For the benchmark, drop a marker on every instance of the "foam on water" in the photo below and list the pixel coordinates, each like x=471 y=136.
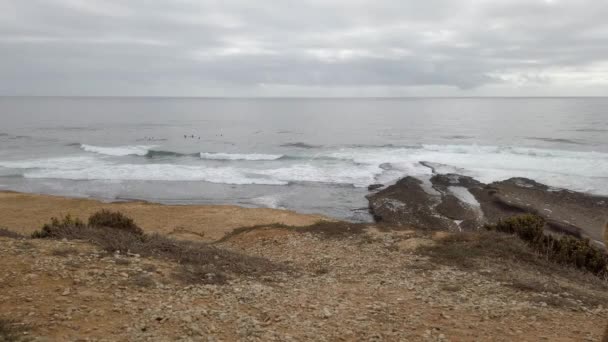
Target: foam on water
x=239 y=156
x=118 y=151
x=359 y=166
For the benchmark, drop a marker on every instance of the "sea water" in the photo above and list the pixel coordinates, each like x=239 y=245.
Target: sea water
x=309 y=155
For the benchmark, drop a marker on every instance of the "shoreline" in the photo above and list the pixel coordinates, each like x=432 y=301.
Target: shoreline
x=26 y=212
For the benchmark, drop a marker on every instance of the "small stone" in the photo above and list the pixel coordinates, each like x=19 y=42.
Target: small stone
x=326 y=313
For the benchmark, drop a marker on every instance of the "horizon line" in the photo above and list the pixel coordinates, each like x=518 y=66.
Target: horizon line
x=300 y=97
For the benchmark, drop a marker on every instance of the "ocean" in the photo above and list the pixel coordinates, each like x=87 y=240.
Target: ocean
x=308 y=155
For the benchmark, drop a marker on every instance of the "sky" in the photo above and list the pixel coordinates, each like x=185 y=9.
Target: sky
x=292 y=48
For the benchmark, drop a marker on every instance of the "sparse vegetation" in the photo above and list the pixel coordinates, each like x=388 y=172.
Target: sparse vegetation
x=10 y=234
x=200 y=274
x=333 y=229
x=127 y=239
x=114 y=219
x=58 y=227
x=565 y=250
x=465 y=249
x=330 y=229
x=11 y=331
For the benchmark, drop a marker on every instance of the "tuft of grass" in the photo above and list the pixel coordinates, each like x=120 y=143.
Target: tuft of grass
x=10 y=234
x=114 y=219
x=11 y=331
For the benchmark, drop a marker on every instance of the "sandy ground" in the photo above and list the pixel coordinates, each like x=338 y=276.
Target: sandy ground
x=25 y=213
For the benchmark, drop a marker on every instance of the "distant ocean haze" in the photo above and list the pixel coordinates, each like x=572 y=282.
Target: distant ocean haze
x=310 y=155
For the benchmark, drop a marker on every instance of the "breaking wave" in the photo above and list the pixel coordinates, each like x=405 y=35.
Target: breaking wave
x=239 y=156
x=118 y=151
x=358 y=166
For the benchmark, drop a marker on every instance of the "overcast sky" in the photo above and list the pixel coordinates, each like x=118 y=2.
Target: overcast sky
x=304 y=47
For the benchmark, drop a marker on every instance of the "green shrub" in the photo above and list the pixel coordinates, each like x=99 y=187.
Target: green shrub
x=565 y=250
x=527 y=227
x=57 y=228
x=114 y=219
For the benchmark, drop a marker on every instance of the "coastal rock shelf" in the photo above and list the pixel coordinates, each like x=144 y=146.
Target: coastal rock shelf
x=456 y=202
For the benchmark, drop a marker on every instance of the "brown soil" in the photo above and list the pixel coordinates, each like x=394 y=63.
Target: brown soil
x=25 y=213
x=374 y=284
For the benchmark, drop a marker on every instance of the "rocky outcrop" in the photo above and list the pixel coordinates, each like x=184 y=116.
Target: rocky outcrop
x=461 y=202
x=407 y=203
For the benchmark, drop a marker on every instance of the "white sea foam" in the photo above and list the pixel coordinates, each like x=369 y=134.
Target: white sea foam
x=239 y=156
x=464 y=195
x=270 y=201
x=360 y=176
x=581 y=171
x=119 y=151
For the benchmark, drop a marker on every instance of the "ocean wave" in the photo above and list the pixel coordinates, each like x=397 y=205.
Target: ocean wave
x=582 y=171
x=161 y=153
x=239 y=156
x=557 y=140
x=118 y=151
x=150 y=172
x=301 y=145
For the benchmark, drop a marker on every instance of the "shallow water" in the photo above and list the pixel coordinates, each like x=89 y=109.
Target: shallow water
x=311 y=155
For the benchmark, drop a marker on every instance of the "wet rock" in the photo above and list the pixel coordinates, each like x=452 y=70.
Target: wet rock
x=373 y=187
x=407 y=204
x=464 y=203
x=566 y=211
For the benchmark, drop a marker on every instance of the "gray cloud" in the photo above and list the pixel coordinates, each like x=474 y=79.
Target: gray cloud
x=389 y=47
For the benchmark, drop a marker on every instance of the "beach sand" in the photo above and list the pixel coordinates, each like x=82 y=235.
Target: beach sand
x=25 y=213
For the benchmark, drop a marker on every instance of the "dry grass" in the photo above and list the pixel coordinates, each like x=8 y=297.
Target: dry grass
x=516 y=265
x=114 y=219
x=11 y=331
x=10 y=234
x=331 y=229
x=200 y=274
x=326 y=229
x=142 y=280
x=194 y=254
x=64 y=251
x=464 y=250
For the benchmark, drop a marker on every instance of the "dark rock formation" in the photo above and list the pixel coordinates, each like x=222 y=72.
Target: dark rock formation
x=460 y=202
x=373 y=187
x=407 y=204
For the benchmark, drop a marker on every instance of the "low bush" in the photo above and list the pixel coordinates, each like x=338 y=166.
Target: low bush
x=565 y=250
x=59 y=228
x=126 y=239
x=527 y=227
x=114 y=219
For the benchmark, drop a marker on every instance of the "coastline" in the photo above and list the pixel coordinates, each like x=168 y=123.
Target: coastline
x=25 y=212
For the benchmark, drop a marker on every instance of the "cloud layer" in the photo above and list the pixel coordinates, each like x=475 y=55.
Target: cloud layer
x=303 y=47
